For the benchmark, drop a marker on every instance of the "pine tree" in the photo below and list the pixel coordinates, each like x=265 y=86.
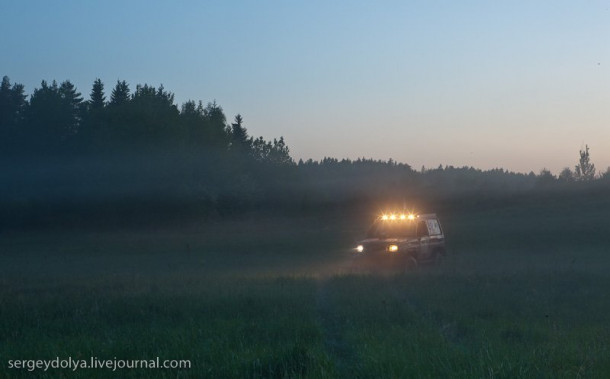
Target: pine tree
x=120 y=94
x=72 y=107
x=97 y=97
x=239 y=136
x=12 y=108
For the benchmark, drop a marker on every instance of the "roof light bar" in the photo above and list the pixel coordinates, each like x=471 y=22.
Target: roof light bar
x=401 y=216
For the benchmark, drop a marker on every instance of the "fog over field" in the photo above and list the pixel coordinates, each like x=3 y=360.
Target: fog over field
x=136 y=220
x=314 y=190
x=131 y=219
x=519 y=294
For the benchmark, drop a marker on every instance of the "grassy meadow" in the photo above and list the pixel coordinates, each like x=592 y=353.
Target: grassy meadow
x=522 y=293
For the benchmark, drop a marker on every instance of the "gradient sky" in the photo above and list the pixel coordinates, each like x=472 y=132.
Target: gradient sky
x=521 y=85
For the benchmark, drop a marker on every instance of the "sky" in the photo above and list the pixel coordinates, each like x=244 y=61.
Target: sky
x=519 y=85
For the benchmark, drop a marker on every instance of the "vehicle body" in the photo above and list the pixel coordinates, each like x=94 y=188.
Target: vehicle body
x=403 y=240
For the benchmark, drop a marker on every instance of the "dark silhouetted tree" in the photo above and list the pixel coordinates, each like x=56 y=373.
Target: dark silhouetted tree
x=97 y=98
x=240 y=141
x=280 y=153
x=275 y=153
x=204 y=126
x=566 y=175
x=216 y=122
x=46 y=128
x=120 y=94
x=584 y=170
x=153 y=118
x=214 y=113
x=91 y=134
x=12 y=108
x=72 y=107
x=53 y=117
x=545 y=177
x=261 y=149
x=191 y=118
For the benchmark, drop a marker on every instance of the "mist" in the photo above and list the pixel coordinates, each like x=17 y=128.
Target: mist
x=129 y=218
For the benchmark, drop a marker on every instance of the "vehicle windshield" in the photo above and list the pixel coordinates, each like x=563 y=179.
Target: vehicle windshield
x=392 y=229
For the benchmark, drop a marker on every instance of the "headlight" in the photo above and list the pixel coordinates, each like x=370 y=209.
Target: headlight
x=393 y=248
x=360 y=248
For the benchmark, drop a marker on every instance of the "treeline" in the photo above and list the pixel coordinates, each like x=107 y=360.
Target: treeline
x=56 y=121
x=135 y=155
x=131 y=151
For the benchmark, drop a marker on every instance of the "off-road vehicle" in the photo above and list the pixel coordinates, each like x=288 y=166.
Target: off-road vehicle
x=402 y=240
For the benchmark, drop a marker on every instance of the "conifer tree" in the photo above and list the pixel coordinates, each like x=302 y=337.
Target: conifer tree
x=97 y=97
x=120 y=94
x=12 y=108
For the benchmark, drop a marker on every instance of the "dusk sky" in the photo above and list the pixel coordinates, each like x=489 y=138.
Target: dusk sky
x=521 y=85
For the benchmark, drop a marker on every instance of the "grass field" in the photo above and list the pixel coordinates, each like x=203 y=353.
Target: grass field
x=523 y=293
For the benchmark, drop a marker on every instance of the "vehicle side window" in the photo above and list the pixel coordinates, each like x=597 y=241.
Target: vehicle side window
x=422 y=229
x=433 y=227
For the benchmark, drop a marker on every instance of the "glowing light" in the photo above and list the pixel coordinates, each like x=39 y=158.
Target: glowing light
x=360 y=248
x=393 y=248
x=397 y=216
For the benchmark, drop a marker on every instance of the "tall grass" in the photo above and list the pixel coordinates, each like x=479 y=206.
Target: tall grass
x=522 y=294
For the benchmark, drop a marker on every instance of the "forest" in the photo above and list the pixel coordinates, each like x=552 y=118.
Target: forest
x=134 y=154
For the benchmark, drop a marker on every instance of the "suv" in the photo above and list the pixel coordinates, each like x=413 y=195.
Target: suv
x=404 y=239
